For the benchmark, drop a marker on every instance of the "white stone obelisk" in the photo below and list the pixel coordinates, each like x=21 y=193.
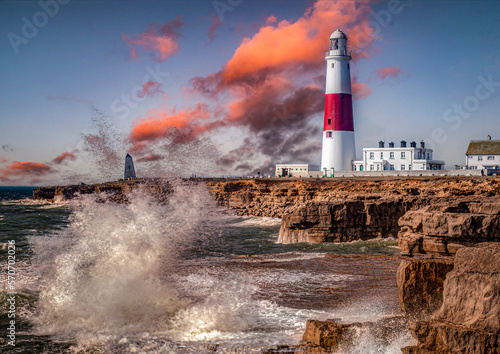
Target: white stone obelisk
x=129 y=167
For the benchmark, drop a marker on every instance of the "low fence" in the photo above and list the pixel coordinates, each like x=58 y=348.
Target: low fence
x=442 y=173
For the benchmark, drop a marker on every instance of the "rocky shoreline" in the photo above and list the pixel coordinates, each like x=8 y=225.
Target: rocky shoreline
x=449 y=283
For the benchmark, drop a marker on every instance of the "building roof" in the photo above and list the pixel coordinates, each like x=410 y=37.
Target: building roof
x=483 y=147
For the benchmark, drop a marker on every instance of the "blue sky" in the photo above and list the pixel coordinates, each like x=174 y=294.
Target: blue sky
x=63 y=85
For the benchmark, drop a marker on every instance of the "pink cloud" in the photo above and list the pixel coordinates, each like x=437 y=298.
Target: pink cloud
x=216 y=23
x=360 y=90
x=23 y=169
x=161 y=41
x=384 y=72
x=3 y=160
x=150 y=157
x=65 y=156
x=151 y=88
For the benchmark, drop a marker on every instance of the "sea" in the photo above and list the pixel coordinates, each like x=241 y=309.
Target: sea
x=186 y=276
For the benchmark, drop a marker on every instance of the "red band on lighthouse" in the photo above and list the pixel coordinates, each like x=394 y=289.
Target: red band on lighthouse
x=338 y=112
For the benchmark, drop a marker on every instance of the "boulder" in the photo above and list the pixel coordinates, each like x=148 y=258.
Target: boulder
x=332 y=336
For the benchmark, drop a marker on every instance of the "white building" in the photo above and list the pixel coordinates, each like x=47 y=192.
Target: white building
x=483 y=154
x=292 y=170
x=401 y=158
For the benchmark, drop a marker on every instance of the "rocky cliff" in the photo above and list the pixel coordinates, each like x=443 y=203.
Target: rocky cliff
x=279 y=197
x=363 y=218
x=468 y=320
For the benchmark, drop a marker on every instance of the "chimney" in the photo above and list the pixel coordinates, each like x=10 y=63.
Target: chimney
x=380 y=144
x=391 y=144
x=403 y=143
x=489 y=137
x=413 y=144
x=422 y=144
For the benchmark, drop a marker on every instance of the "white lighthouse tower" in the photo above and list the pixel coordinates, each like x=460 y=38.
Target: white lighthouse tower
x=338 y=130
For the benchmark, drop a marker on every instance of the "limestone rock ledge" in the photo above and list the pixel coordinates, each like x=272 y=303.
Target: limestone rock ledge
x=469 y=319
x=345 y=220
x=443 y=228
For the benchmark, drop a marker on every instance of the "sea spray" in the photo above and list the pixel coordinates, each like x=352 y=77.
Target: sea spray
x=109 y=272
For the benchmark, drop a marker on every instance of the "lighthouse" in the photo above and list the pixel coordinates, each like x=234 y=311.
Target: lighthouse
x=338 y=151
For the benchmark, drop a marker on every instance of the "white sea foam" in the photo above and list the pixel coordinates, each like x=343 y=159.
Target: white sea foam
x=259 y=221
x=104 y=273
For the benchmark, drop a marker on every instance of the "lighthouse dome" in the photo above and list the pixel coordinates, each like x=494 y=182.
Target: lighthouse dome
x=338 y=34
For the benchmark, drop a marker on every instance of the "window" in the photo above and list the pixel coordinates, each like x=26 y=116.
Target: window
x=403 y=155
x=391 y=155
x=341 y=95
x=428 y=156
x=491 y=157
x=329 y=121
x=348 y=66
x=328 y=134
x=402 y=167
x=332 y=65
x=372 y=168
x=381 y=155
x=480 y=158
x=372 y=155
x=392 y=167
x=409 y=167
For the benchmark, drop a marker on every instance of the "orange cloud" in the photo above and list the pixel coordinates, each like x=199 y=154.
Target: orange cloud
x=384 y=72
x=162 y=41
x=281 y=44
x=23 y=169
x=150 y=129
x=64 y=156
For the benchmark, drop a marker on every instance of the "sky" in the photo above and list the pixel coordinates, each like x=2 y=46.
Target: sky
x=232 y=87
